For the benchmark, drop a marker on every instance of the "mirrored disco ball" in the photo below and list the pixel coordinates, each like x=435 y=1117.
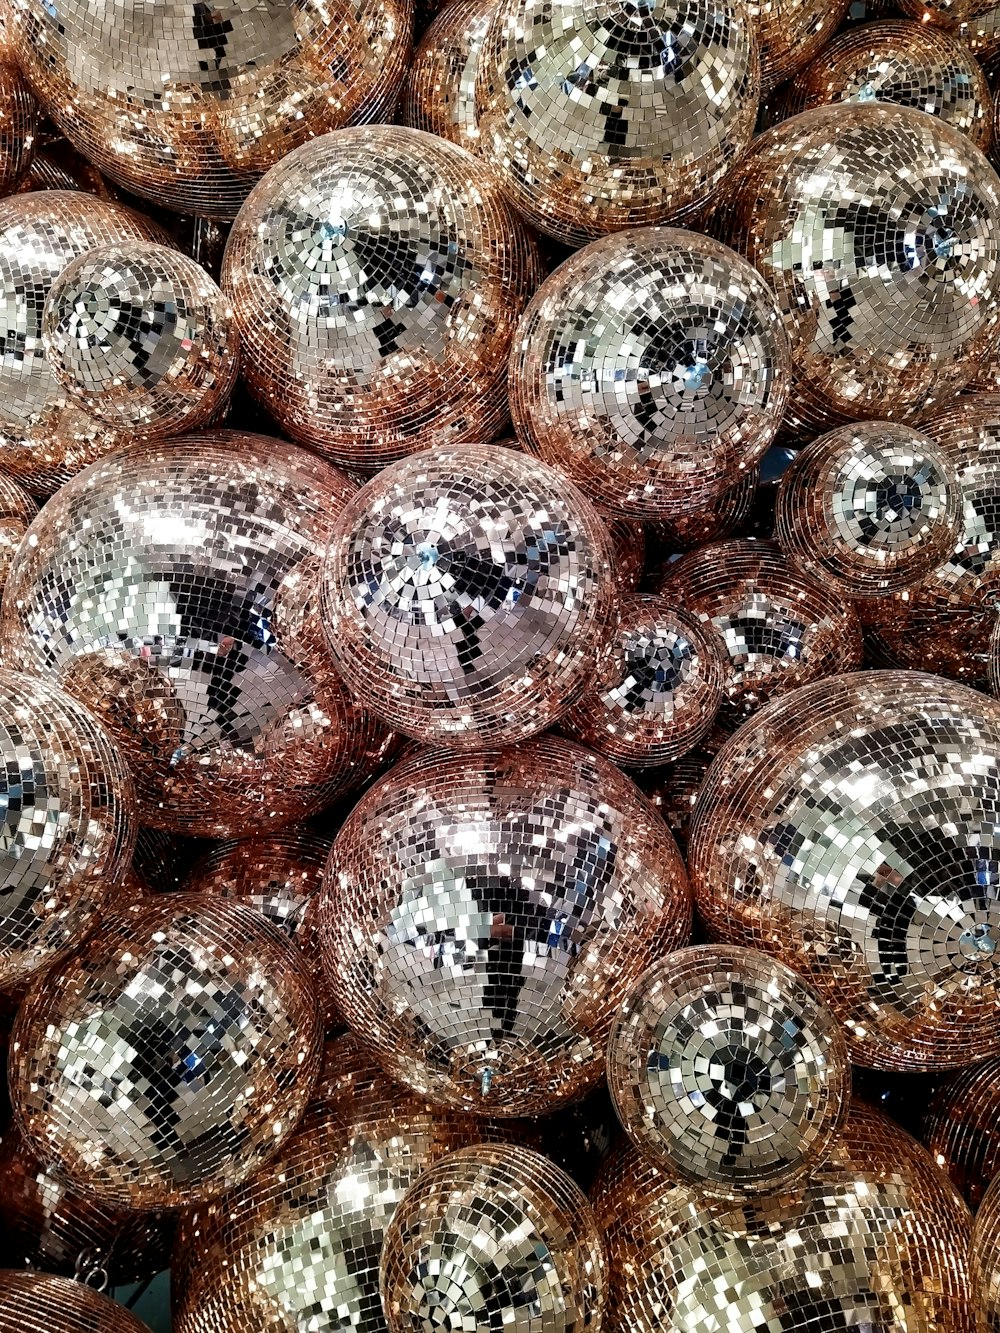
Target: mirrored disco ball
x=961 y=1128
x=598 y=115
x=948 y=14
x=790 y=32
x=484 y=915
x=628 y=541
x=727 y=1071
x=850 y=830
x=40 y=1303
x=878 y=228
x=493 y=1237
x=985 y=1262
x=653 y=368
x=187 y=106
x=171 y=588
x=714 y=521
x=377 y=276
x=166 y=1061
x=19 y=117
x=875 y=1238
x=439 y=95
x=468 y=595
x=17 y=509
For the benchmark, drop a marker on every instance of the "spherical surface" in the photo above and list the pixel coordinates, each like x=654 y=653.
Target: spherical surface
x=653 y=368
x=493 y=1237
x=790 y=32
x=629 y=115
x=171 y=588
x=484 y=915
x=727 y=1071
x=961 y=1128
x=985 y=1262
x=878 y=227
x=17 y=509
x=167 y=1060
x=468 y=595
x=845 y=830
x=440 y=91
x=187 y=107
x=18 y=127
x=711 y=522
x=40 y=1303
x=141 y=338
x=377 y=276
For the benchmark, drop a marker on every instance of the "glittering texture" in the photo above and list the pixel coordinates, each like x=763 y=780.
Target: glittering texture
x=790 y=32
x=493 y=1237
x=485 y=914
x=653 y=368
x=961 y=1128
x=187 y=105
x=468 y=595
x=172 y=589
x=727 y=1072
x=18 y=128
x=17 y=509
x=875 y=1239
x=628 y=540
x=673 y=791
x=377 y=276
x=599 y=115
x=851 y=830
x=985 y=1262
x=949 y=14
x=879 y=229
x=165 y=1061
x=713 y=521
x=440 y=91
x=39 y=1303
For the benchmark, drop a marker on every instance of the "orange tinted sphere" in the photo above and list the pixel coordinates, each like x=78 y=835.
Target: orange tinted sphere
x=40 y=1303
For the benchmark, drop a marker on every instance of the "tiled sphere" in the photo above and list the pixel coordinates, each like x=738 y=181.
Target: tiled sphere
x=440 y=91
x=848 y=830
x=484 y=915
x=779 y=628
x=597 y=115
x=673 y=790
x=653 y=368
x=40 y=1303
x=17 y=509
x=878 y=228
x=727 y=1071
x=711 y=522
x=961 y=1128
x=168 y=1059
x=947 y=14
x=628 y=541
x=985 y=1262
x=468 y=595
x=141 y=338
x=875 y=1238
x=790 y=32
x=188 y=106
x=19 y=118
x=172 y=589
x=493 y=1237
x=377 y=276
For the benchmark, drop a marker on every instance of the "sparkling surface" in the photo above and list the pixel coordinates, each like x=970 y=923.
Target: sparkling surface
x=39 y=1303
x=440 y=91
x=985 y=1262
x=961 y=1128
x=790 y=32
x=714 y=521
x=17 y=509
x=18 y=128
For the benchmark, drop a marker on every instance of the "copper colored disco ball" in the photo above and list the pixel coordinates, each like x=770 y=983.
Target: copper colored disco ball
x=869 y=509
x=673 y=790
x=628 y=541
x=727 y=1071
x=656 y=693
x=17 y=509
x=484 y=915
x=18 y=128
x=961 y=1128
x=652 y=367
x=41 y=1303
x=790 y=32
x=879 y=229
x=778 y=627
x=714 y=521
x=493 y=1237
x=171 y=588
x=165 y=1062
x=187 y=107
x=468 y=595
x=440 y=91
x=598 y=116
x=849 y=831
x=985 y=1262
x=140 y=337
x=948 y=14
x=875 y=1238
x=377 y=276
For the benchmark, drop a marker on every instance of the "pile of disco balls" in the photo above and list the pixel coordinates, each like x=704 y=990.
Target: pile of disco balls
x=499 y=665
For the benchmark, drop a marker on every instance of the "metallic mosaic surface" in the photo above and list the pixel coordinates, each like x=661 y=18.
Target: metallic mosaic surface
x=17 y=509
x=493 y=1237
x=961 y=1128
x=790 y=32
x=377 y=276
x=484 y=915
x=985 y=1262
x=598 y=115
x=850 y=831
x=727 y=1071
x=439 y=95
x=468 y=595
x=165 y=1062
x=19 y=116
x=714 y=521
x=40 y=1303
x=653 y=368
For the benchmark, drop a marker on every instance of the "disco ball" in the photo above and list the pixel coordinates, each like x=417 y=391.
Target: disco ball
x=377 y=276
x=985 y=1261
x=874 y=1238
x=171 y=588
x=869 y=508
x=778 y=627
x=40 y=1303
x=168 y=1060
x=850 y=830
x=711 y=522
x=948 y=14
x=878 y=228
x=440 y=91
x=628 y=541
x=727 y=1072
x=598 y=116
x=673 y=790
x=187 y=106
x=656 y=693
x=961 y=1128
x=790 y=32
x=652 y=367
x=484 y=915
x=468 y=595
x=141 y=338
x=18 y=128
x=493 y=1237
x=17 y=509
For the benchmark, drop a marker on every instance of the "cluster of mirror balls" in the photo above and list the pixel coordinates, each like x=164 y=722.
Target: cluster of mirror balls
x=500 y=666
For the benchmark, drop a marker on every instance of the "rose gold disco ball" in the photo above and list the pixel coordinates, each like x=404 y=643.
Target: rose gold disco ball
x=484 y=915
x=17 y=509
x=628 y=541
x=440 y=91
x=985 y=1262
x=790 y=32
x=961 y=1128
x=19 y=118
x=722 y=517
x=948 y=14
x=40 y=1303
